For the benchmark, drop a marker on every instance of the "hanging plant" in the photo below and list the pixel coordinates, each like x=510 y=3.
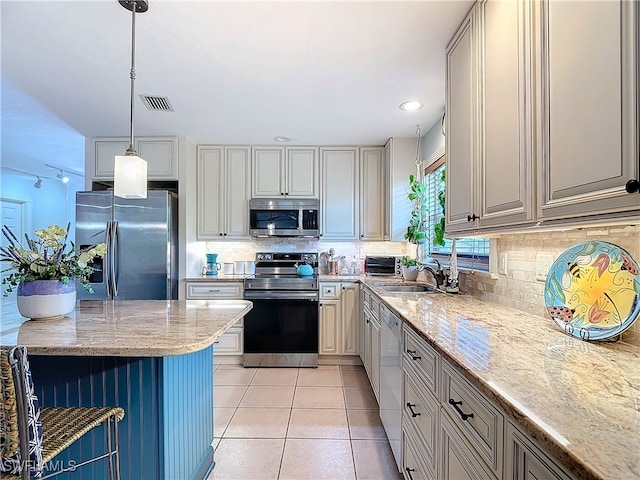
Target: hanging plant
x=417 y=227
x=438 y=228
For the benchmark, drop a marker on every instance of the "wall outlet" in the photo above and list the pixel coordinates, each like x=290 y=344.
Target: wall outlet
x=502 y=264
x=543 y=265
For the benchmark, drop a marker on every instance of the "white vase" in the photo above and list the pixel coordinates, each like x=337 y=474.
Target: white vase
x=410 y=273
x=46 y=298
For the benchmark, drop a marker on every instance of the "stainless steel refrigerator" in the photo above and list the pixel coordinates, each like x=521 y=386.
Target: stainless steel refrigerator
x=142 y=244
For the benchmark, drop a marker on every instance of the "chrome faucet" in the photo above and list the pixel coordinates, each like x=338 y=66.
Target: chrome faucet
x=438 y=274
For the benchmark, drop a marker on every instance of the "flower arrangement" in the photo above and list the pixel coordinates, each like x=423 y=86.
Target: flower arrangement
x=47 y=258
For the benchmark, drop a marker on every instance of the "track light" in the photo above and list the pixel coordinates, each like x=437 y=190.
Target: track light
x=38 y=183
x=62 y=177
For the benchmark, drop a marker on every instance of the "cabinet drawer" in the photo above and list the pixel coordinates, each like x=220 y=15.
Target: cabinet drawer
x=421 y=410
x=329 y=291
x=423 y=358
x=230 y=343
x=374 y=306
x=208 y=290
x=412 y=467
x=458 y=460
x=366 y=298
x=481 y=422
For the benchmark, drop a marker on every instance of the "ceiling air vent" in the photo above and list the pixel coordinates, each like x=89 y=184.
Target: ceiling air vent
x=157 y=104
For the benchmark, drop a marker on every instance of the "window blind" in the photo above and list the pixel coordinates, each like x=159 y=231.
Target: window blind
x=472 y=252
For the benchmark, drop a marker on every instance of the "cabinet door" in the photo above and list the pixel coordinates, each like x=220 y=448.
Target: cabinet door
x=589 y=143
x=339 y=193
x=329 y=323
x=105 y=151
x=161 y=155
x=350 y=325
x=462 y=125
x=268 y=172
x=302 y=172
x=366 y=341
x=506 y=173
x=210 y=191
x=526 y=461
x=372 y=194
x=236 y=207
x=375 y=357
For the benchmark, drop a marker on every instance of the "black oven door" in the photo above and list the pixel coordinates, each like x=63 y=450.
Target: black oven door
x=281 y=326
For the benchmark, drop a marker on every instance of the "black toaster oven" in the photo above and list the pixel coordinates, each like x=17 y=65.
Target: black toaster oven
x=381 y=265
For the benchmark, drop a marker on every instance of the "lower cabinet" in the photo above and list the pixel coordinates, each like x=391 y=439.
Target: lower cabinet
x=232 y=341
x=370 y=347
x=338 y=319
x=525 y=460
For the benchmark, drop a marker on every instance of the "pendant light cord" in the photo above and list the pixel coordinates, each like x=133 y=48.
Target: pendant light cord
x=131 y=150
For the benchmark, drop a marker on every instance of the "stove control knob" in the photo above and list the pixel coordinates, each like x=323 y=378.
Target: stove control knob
x=260 y=257
x=268 y=256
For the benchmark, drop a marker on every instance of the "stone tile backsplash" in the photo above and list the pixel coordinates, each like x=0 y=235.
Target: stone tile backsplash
x=519 y=287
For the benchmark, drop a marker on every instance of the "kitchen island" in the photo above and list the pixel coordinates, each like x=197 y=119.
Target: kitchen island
x=154 y=358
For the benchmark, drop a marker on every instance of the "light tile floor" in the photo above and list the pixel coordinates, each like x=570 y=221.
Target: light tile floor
x=297 y=424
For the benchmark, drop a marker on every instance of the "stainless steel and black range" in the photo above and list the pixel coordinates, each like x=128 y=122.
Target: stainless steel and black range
x=282 y=328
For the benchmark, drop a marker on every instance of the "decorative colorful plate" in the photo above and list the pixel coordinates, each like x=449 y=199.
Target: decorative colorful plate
x=593 y=290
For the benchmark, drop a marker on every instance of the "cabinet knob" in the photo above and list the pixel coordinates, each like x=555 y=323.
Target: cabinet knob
x=470 y=218
x=632 y=186
x=221 y=234
x=362 y=235
x=281 y=193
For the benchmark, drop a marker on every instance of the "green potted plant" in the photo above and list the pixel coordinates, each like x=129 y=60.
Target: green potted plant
x=438 y=227
x=410 y=269
x=416 y=229
x=44 y=270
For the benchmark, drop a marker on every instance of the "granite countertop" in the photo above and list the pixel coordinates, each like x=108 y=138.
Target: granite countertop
x=580 y=400
x=127 y=328
x=218 y=278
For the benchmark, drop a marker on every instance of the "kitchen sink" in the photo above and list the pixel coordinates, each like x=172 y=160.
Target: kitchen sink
x=394 y=287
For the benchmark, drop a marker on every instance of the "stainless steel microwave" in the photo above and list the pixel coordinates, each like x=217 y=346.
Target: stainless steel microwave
x=284 y=217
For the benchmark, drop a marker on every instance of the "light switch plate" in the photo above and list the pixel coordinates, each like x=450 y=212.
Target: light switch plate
x=543 y=265
x=502 y=264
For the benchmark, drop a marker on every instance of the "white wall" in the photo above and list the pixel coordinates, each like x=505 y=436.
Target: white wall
x=432 y=141
x=52 y=203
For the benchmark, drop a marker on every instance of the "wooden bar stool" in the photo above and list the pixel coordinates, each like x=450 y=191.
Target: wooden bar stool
x=30 y=436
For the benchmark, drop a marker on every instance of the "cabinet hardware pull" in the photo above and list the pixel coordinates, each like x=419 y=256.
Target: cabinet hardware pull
x=220 y=234
x=413 y=354
x=465 y=416
x=632 y=186
x=472 y=217
x=281 y=193
x=409 y=470
x=410 y=407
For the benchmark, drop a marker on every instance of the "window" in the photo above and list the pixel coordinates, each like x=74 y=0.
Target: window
x=472 y=252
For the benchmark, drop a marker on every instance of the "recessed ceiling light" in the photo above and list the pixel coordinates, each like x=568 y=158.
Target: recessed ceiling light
x=281 y=139
x=411 y=105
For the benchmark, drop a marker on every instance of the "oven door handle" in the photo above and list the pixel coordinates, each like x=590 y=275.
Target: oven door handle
x=280 y=295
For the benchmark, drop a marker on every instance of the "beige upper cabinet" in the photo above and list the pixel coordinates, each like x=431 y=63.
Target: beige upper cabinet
x=506 y=172
x=285 y=172
x=373 y=188
x=462 y=125
x=339 y=193
x=161 y=154
x=490 y=118
x=223 y=192
x=588 y=90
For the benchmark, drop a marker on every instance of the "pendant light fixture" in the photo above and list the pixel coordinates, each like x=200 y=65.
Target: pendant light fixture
x=130 y=171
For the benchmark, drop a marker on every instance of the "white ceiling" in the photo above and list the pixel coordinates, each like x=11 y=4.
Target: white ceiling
x=235 y=72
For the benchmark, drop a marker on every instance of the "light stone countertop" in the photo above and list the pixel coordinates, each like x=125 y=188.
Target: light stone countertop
x=579 y=400
x=218 y=278
x=127 y=328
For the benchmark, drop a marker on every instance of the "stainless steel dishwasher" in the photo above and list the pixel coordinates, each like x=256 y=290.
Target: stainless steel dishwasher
x=391 y=379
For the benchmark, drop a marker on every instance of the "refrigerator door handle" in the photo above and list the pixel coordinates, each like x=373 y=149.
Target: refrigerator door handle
x=107 y=269
x=115 y=263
